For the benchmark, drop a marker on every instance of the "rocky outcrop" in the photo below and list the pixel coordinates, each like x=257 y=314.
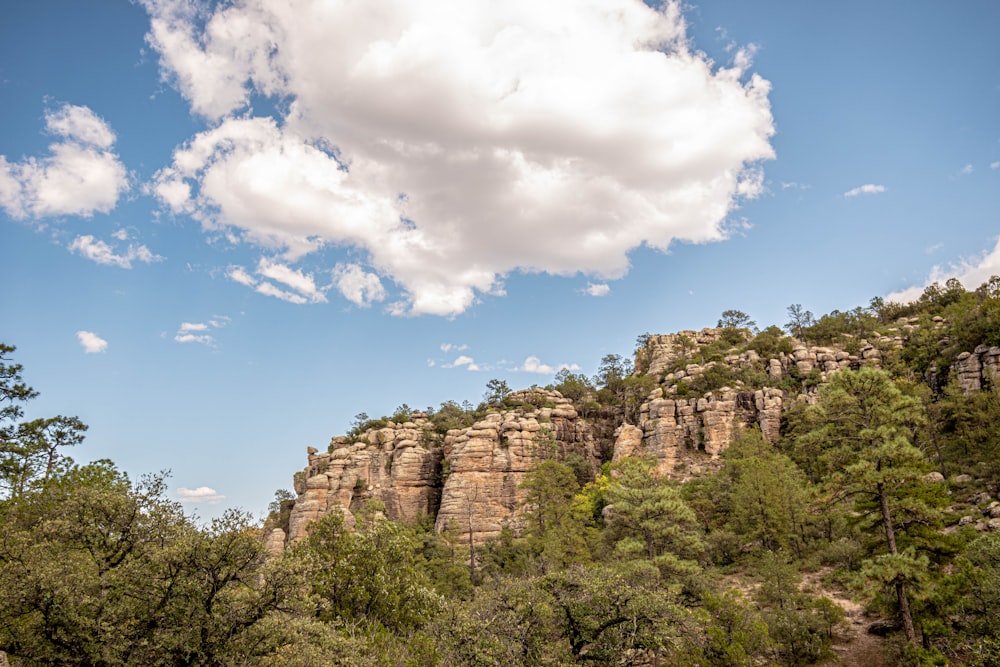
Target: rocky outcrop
x=470 y=478
x=398 y=465
x=676 y=357
x=675 y=430
x=978 y=369
x=487 y=462
x=664 y=350
x=275 y=541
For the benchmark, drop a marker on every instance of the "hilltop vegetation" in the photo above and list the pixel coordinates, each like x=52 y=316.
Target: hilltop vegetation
x=874 y=507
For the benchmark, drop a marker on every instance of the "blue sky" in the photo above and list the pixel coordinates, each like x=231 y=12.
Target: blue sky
x=227 y=229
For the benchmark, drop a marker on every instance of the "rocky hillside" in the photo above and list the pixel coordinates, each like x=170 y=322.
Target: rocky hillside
x=700 y=389
x=469 y=477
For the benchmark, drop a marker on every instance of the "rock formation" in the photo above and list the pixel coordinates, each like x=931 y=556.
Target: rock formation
x=482 y=467
x=397 y=465
x=470 y=478
x=978 y=369
x=487 y=462
x=676 y=429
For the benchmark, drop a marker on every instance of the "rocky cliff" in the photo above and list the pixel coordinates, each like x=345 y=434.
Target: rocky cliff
x=398 y=465
x=685 y=432
x=978 y=369
x=470 y=478
x=487 y=462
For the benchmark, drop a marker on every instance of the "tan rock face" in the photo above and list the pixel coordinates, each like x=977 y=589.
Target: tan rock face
x=674 y=428
x=487 y=463
x=471 y=478
x=275 y=541
x=977 y=369
x=483 y=466
x=397 y=465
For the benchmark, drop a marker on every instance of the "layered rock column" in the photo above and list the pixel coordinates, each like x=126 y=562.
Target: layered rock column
x=978 y=369
x=487 y=463
x=673 y=429
x=396 y=465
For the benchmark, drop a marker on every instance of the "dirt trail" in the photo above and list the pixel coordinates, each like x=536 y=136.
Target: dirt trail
x=852 y=645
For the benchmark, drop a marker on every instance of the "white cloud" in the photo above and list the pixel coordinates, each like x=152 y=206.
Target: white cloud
x=866 y=189
x=80 y=176
x=535 y=365
x=80 y=124
x=463 y=360
x=120 y=234
x=298 y=281
x=358 y=286
x=967 y=169
x=203 y=494
x=995 y=165
x=303 y=284
x=598 y=289
x=91 y=342
x=102 y=253
x=239 y=274
x=194 y=338
x=267 y=289
x=448 y=347
x=971 y=273
x=452 y=145
x=196 y=332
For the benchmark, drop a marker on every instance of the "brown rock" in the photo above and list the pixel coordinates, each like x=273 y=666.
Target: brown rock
x=275 y=542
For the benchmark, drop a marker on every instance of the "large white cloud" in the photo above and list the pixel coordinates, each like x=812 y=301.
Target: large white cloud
x=81 y=176
x=970 y=272
x=452 y=143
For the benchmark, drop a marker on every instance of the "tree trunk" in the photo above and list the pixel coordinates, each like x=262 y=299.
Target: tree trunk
x=890 y=536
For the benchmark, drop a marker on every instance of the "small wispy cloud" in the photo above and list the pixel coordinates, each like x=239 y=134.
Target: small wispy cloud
x=966 y=170
x=239 y=274
x=598 y=289
x=91 y=342
x=302 y=285
x=995 y=165
x=533 y=364
x=268 y=289
x=792 y=185
x=866 y=189
x=468 y=362
x=448 y=347
x=203 y=494
x=102 y=253
x=197 y=332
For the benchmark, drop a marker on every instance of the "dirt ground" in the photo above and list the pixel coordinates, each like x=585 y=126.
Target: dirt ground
x=852 y=645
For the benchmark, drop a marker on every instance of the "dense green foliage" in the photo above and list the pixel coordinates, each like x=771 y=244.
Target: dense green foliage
x=739 y=565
